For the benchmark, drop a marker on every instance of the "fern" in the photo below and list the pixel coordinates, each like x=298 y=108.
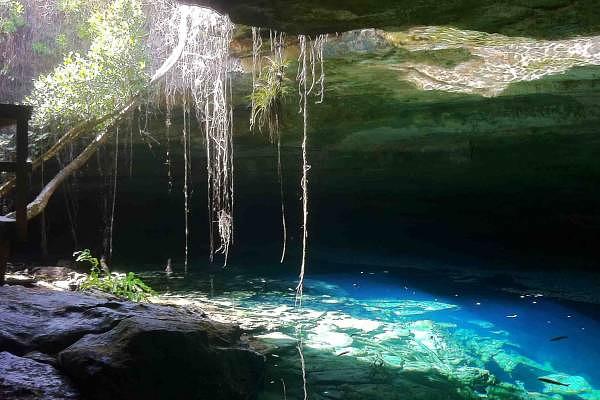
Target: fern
x=269 y=91
x=128 y=286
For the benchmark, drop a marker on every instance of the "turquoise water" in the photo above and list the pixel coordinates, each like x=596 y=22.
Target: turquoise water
x=401 y=334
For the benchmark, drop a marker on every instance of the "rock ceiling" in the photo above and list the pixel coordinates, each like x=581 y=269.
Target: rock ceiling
x=400 y=69
x=531 y=18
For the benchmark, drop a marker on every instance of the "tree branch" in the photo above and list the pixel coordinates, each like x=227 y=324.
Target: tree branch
x=41 y=201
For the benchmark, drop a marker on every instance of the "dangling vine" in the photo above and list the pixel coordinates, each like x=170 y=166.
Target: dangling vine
x=277 y=41
x=168 y=151
x=310 y=52
x=186 y=175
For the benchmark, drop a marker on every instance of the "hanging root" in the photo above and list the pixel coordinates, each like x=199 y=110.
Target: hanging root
x=199 y=76
x=310 y=52
x=277 y=46
x=303 y=366
x=168 y=152
x=186 y=174
x=224 y=225
x=282 y=202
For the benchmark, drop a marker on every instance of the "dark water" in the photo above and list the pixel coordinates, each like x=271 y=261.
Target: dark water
x=373 y=333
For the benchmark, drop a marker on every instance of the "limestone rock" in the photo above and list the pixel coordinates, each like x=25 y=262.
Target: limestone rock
x=278 y=338
x=47 y=321
x=27 y=379
x=41 y=357
x=112 y=349
x=542 y=18
x=146 y=358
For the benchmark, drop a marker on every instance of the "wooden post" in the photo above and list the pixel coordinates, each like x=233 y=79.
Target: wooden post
x=9 y=228
x=21 y=175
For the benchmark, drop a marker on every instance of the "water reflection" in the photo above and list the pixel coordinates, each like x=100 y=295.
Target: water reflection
x=469 y=61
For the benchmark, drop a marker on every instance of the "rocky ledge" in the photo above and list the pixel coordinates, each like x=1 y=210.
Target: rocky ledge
x=65 y=345
x=531 y=18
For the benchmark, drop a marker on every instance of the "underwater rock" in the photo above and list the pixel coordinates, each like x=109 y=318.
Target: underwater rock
x=423 y=333
x=473 y=376
x=27 y=379
x=481 y=323
x=277 y=338
x=507 y=391
x=508 y=361
x=354 y=375
x=392 y=334
x=406 y=308
x=485 y=347
x=365 y=325
x=393 y=361
x=325 y=337
x=577 y=385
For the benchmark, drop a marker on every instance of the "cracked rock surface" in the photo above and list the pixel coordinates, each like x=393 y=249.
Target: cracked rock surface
x=24 y=378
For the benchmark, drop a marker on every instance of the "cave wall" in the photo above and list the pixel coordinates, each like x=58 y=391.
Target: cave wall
x=400 y=173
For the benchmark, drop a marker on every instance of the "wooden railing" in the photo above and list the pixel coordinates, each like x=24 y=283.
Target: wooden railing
x=11 y=114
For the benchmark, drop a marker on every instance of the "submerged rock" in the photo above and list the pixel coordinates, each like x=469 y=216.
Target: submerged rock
x=575 y=385
x=113 y=349
x=324 y=336
x=509 y=361
x=365 y=325
x=278 y=338
x=27 y=379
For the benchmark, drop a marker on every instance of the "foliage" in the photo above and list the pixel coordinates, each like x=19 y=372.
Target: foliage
x=269 y=90
x=41 y=48
x=86 y=256
x=128 y=286
x=91 y=85
x=11 y=16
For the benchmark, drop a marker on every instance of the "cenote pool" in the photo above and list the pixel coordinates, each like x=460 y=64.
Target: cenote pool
x=431 y=165
x=373 y=333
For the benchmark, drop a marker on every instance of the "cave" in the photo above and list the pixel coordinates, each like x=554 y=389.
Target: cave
x=301 y=199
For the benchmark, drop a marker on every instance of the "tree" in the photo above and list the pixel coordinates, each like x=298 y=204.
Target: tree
x=87 y=95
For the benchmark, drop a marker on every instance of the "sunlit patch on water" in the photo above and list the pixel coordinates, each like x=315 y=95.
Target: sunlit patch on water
x=376 y=336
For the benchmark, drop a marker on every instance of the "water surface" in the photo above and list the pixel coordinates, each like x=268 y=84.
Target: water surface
x=374 y=333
